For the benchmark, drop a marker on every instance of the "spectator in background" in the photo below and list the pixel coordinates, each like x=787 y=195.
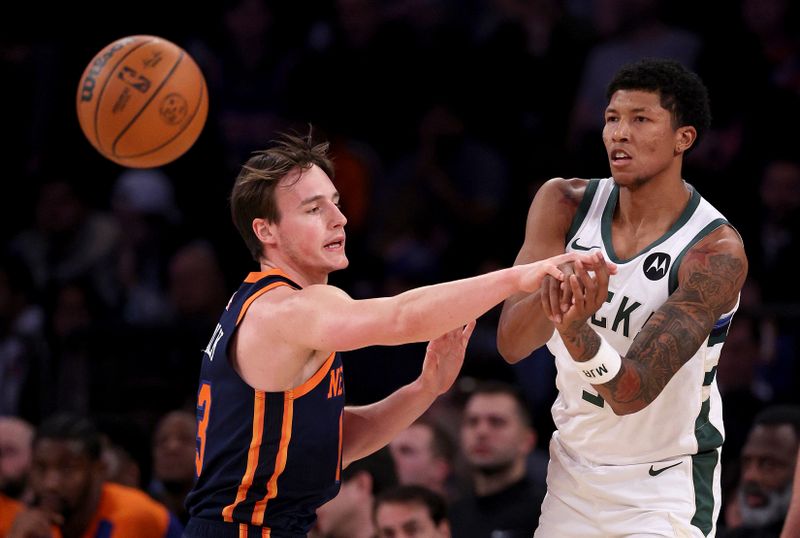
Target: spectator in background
x=16 y=435
x=72 y=495
x=768 y=463
x=411 y=512
x=23 y=357
x=496 y=438
x=174 y=445
x=349 y=514
x=69 y=240
x=424 y=455
x=144 y=207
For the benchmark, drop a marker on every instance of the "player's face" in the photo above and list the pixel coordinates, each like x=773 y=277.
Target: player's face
x=63 y=477
x=310 y=234
x=408 y=520
x=639 y=137
x=493 y=435
x=413 y=454
x=768 y=460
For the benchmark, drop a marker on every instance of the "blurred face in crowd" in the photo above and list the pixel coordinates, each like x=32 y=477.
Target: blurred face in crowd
x=413 y=453
x=64 y=478
x=768 y=460
x=408 y=520
x=493 y=434
x=15 y=455
x=174 y=448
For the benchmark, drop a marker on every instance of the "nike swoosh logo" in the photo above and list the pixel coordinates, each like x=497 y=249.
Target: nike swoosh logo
x=656 y=472
x=576 y=246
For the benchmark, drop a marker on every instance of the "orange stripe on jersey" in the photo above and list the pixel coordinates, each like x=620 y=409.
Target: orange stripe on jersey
x=252 y=455
x=242 y=530
x=339 y=459
x=265 y=532
x=255 y=296
x=258 y=275
x=314 y=380
x=280 y=462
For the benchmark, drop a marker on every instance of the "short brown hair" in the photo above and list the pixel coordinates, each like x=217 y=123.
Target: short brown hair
x=253 y=194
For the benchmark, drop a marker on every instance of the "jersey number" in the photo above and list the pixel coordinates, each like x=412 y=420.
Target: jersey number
x=203 y=413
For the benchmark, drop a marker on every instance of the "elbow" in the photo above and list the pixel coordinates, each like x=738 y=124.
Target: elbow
x=509 y=355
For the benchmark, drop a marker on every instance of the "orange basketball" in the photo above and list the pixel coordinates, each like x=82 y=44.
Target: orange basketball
x=142 y=101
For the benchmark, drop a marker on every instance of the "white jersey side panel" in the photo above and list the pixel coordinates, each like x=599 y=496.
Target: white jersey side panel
x=686 y=418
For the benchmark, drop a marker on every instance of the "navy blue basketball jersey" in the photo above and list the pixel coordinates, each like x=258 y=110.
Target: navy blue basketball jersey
x=265 y=460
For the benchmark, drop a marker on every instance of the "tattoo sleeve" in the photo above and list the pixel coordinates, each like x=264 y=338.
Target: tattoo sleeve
x=709 y=285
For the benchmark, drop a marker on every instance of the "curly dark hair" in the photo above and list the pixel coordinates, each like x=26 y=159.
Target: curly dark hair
x=682 y=92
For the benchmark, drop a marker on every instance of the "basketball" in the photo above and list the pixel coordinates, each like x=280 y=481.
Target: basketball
x=142 y=101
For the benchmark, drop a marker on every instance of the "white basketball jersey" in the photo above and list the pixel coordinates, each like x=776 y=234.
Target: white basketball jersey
x=686 y=418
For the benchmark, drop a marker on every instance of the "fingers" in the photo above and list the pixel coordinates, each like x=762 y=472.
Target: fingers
x=467 y=331
x=550 y=290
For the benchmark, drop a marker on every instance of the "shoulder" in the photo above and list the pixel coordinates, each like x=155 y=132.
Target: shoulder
x=565 y=190
x=286 y=300
x=715 y=269
x=9 y=508
x=126 y=502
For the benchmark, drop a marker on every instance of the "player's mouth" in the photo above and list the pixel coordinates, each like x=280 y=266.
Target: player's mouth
x=335 y=245
x=619 y=157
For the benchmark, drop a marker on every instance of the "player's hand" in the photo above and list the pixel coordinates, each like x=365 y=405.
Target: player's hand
x=444 y=358
x=556 y=294
x=34 y=523
x=534 y=273
x=589 y=292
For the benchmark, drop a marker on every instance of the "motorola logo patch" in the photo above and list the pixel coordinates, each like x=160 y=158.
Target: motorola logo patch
x=656 y=265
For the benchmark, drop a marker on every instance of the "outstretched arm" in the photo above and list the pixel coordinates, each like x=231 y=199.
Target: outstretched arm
x=523 y=325
x=710 y=278
x=325 y=318
x=368 y=428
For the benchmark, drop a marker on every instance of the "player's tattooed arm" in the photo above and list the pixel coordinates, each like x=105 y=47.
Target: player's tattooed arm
x=709 y=282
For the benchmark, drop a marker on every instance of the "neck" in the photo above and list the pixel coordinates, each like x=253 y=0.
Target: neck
x=488 y=483
x=358 y=526
x=303 y=278
x=650 y=204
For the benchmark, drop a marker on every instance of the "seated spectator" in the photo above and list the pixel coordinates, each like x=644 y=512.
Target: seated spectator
x=349 y=514
x=15 y=456
x=174 y=446
x=768 y=462
x=72 y=497
x=496 y=438
x=423 y=455
x=411 y=512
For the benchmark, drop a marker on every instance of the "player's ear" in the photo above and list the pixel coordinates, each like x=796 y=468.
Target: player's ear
x=264 y=230
x=684 y=138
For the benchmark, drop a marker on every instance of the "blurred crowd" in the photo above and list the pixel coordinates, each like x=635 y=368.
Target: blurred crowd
x=444 y=117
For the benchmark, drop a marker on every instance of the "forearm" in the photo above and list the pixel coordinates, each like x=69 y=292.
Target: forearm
x=368 y=428
x=623 y=392
x=523 y=328
x=427 y=312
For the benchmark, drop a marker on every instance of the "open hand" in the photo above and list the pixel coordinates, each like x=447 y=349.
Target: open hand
x=444 y=358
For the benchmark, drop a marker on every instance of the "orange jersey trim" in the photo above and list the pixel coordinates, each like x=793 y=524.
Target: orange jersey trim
x=255 y=296
x=259 y=409
x=280 y=461
x=258 y=275
x=312 y=381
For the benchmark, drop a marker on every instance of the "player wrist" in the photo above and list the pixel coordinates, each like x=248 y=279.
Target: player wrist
x=603 y=366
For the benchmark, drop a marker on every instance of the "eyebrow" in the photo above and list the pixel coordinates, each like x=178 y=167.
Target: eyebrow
x=312 y=199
